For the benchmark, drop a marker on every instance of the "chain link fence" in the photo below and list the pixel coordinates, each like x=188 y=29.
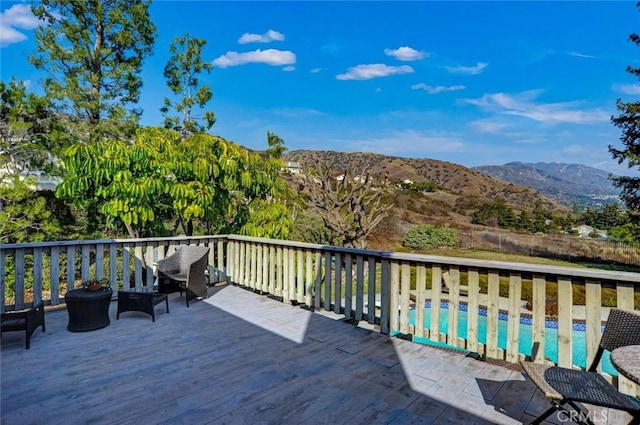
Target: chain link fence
x=553 y=246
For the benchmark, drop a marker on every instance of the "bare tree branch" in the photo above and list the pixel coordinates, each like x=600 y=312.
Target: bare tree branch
x=350 y=205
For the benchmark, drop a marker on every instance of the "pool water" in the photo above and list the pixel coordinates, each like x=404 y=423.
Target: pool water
x=524 y=343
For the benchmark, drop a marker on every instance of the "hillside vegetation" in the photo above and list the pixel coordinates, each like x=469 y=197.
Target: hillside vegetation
x=460 y=186
x=461 y=191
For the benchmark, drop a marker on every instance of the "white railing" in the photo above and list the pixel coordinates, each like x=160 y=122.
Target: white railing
x=395 y=291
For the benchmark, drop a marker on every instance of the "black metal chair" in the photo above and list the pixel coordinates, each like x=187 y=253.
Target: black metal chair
x=567 y=387
x=140 y=301
x=26 y=320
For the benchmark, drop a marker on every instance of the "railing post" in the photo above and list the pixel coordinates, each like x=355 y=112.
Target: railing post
x=371 y=292
x=539 y=317
x=565 y=322
x=513 y=331
x=593 y=317
x=385 y=301
x=394 y=296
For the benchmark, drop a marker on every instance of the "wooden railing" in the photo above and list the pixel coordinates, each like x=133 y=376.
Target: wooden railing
x=32 y=272
x=397 y=292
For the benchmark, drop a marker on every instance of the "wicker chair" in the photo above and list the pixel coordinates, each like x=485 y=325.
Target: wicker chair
x=26 y=320
x=187 y=268
x=569 y=387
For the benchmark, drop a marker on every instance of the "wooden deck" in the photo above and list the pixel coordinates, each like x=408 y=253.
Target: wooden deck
x=240 y=358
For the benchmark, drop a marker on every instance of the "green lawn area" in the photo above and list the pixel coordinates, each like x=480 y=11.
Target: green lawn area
x=502 y=256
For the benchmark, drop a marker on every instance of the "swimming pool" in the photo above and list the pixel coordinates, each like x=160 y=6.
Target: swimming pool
x=524 y=343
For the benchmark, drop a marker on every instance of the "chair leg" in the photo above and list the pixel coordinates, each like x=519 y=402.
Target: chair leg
x=555 y=406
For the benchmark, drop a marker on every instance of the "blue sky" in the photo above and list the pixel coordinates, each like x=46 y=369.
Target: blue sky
x=474 y=83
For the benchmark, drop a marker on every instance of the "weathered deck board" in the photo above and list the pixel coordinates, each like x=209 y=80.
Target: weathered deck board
x=238 y=358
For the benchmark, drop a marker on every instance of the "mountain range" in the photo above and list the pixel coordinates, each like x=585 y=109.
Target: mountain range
x=460 y=188
x=570 y=184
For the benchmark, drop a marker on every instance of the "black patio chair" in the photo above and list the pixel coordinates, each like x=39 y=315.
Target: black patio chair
x=568 y=387
x=26 y=320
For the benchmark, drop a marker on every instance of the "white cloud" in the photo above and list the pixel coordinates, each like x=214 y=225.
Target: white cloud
x=489 y=126
x=523 y=105
x=406 y=53
x=17 y=16
x=436 y=89
x=298 y=113
x=267 y=37
x=580 y=55
x=272 y=57
x=367 y=72
x=315 y=70
x=469 y=70
x=630 y=89
x=289 y=68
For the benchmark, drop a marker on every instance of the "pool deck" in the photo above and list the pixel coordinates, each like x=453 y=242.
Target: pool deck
x=241 y=358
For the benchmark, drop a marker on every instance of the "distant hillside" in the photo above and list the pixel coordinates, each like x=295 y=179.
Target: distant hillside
x=463 y=189
x=568 y=183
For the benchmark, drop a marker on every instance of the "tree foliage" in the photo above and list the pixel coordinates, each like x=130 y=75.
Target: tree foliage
x=30 y=135
x=308 y=226
x=628 y=121
x=428 y=236
x=495 y=214
x=93 y=52
x=159 y=179
x=349 y=205
x=182 y=73
x=424 y=187
x=27 y=215
x=276 y=147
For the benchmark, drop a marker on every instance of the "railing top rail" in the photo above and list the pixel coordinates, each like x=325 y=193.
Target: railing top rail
x=582 y=272
x=49 y=244
x=502 y=266
x=305 y=245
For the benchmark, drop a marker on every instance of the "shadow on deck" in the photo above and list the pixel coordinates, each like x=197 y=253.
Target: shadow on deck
x=237 y=358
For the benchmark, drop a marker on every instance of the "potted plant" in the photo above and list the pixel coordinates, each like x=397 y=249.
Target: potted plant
x=96 y=284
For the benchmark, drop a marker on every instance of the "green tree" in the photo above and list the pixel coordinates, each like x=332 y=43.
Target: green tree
x=308 y=226
x=30 y=141
x=496 y=213
x=202 y=181
x=629 y=122
x=182 y=73
x=276 y=146
x=25 y=214
x=30 y=134
x=93 y=52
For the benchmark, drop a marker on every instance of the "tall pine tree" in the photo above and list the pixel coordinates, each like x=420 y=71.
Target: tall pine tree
x=629 y=122
x=93 y=52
